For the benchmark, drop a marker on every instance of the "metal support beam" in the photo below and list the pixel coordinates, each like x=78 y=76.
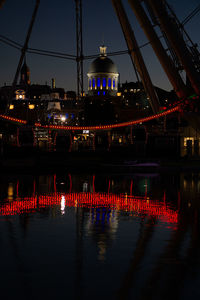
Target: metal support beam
x=24 y=49
x=2 y=3
x=177 y=42
x=166 y=62
x=136 y=55
x=79 y=48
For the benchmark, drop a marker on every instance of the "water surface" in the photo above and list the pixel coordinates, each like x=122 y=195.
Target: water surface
x=97 y=236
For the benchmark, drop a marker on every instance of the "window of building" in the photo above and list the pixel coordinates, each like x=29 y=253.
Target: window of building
x=90 y=83
x=104 y=93
x=109 y=82
x=104 y=82
x=186 y=139
x=98 y=82
x=113 y=83
x=93 y=82
x=98 y=93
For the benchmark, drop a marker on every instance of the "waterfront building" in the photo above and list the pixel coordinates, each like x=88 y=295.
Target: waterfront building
x=102 y=76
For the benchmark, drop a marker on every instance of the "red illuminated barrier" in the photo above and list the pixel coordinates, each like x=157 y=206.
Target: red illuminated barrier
x=120 y=202
x=4 y=117
x=100 y=127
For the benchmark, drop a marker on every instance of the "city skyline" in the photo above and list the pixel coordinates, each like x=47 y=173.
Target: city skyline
x=55 y=30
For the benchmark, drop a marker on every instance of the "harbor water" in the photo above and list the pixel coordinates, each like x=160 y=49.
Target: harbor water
x=100 y=236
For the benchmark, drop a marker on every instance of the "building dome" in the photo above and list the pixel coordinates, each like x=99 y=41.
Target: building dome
x=102 y=76
x=103 y=64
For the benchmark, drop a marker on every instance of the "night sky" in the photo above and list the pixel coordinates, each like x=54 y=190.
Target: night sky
x=55 y=30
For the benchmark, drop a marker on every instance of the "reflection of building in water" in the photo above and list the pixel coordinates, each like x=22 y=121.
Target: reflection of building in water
x=102 y=226
x=189 y=189
x=10 y=191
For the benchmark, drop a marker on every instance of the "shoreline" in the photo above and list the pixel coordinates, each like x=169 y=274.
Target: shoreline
x=95 y=162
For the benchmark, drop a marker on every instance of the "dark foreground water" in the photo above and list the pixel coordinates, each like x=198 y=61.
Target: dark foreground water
x=98 y=236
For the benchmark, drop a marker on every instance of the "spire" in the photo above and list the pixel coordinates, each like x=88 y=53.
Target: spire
x=103 y=50
x=25 y=74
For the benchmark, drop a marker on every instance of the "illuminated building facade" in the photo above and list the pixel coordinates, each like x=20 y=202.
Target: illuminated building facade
x=102 y=76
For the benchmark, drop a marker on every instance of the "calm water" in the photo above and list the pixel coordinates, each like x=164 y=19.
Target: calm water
x=98 y=236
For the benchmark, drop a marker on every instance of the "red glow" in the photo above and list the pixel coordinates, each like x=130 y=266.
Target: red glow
x=100 y=127
x=13 y=119
x=121 y=202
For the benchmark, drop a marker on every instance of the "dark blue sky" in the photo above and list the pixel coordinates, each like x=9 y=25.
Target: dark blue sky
x=55 y=30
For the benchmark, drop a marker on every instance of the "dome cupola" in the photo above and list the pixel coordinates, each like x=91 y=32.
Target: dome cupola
x=102 y=75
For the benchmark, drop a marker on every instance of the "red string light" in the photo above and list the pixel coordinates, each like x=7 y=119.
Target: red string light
x=99 y=127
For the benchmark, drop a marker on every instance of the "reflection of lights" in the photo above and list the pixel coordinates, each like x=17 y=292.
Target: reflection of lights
x=62 y=205
x=137 y=205
x=85 y=187
x=10 y=191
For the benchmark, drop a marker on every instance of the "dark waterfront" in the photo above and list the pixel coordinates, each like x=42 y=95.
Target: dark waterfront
x=98 y=236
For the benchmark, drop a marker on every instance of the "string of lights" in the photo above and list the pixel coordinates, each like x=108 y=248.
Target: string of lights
x=99 y=127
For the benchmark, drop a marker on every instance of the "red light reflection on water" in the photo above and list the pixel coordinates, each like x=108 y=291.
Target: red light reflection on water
x=121 y=202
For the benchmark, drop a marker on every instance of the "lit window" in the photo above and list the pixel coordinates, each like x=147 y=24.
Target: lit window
x=186 y=139
x=98 y=82
x=98 y=93
x=93 y=82
x=109 y=82
x=104 y=93
x=104 y=82
x=113 y=83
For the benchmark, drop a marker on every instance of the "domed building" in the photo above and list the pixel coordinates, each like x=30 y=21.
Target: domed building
x=102 y=76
